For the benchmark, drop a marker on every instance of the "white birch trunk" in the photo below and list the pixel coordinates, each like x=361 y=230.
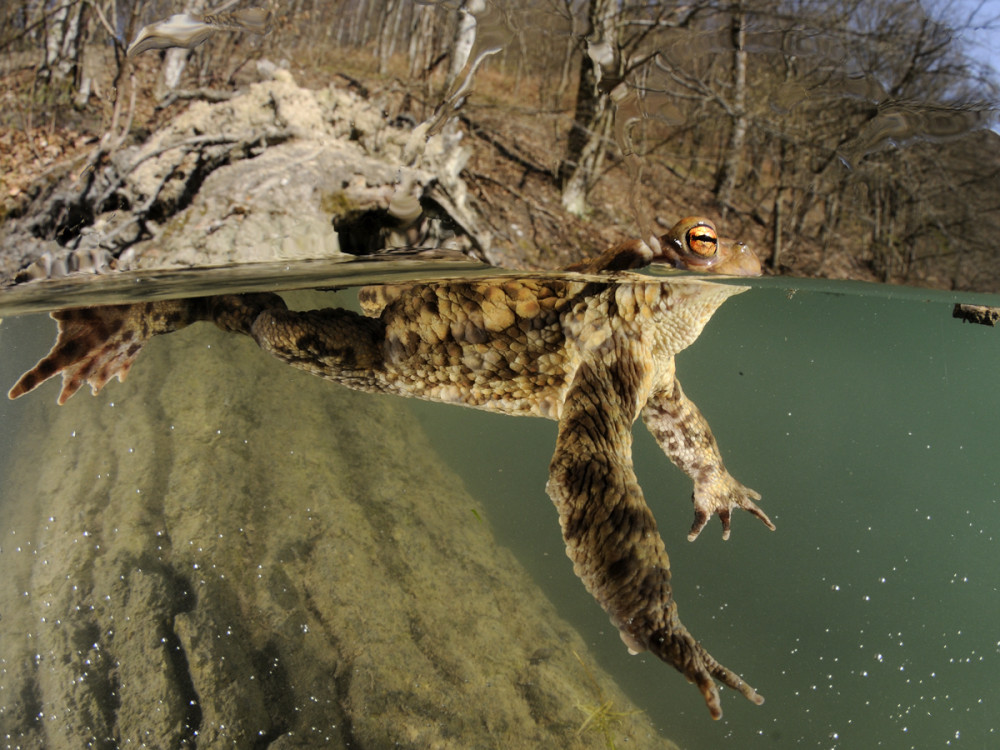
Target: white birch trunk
x=177 y=57
x=465 y=38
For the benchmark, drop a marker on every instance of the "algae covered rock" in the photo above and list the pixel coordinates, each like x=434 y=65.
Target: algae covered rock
x=225 y=552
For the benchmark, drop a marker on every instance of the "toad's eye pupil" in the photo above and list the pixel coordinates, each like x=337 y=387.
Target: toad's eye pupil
x=703 y=241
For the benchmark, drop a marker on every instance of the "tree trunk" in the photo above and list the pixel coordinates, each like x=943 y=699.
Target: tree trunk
x=465 y=38
x=421 y=41
x=592 y=121
x=725 y=180
x=567 y=66
x=177 y=57
x=394 y=20
x=369 y=12
x=777 y=218
x=64 y=43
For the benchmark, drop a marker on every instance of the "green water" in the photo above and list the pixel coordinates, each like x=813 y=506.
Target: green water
x=866 y=417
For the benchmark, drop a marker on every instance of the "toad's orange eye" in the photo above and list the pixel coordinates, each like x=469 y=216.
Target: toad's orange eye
x=702 y=240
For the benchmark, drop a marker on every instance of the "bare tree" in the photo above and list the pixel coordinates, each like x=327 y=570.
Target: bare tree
x=177 y=57
x=593 y=117
x=464 y=39
x=817 y=119
x=388 y=32
x=736 y=109
x=64 y=35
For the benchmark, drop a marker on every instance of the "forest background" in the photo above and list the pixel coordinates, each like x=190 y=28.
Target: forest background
x=841 y=138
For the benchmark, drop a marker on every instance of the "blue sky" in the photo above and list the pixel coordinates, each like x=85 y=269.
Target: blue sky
x=984 y=41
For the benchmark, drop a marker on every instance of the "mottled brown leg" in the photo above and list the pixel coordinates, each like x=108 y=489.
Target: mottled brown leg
x=610 y=533
x=684 y=435
x=335 y=344
x=95 y=344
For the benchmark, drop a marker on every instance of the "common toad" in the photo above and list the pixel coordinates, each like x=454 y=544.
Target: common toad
x=593 y=355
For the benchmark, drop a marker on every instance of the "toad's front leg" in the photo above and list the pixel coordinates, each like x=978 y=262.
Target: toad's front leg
x=611 y=534
x=684 y=435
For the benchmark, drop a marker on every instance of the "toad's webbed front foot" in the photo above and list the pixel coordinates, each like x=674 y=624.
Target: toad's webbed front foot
x=684 y=435
x=718 y=497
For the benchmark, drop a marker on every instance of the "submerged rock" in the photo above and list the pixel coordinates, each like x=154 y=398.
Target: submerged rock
x=225 y=551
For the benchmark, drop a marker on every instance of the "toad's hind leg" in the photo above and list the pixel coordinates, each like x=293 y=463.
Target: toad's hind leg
x=611 y=534
x=96 y=344
x=335 y=344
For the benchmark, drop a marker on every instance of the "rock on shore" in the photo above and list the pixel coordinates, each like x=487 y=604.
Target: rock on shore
x=276 y=172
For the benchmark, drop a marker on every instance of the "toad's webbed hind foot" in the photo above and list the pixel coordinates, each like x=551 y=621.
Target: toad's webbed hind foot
x=676 y=646
x=95 y=344
x=610 y=532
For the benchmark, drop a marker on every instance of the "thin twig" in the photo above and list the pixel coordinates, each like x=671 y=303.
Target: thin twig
x=520 y=196
x=104 y=21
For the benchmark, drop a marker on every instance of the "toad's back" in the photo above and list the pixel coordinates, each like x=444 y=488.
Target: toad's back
x=498 y=346
x=514 y=346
